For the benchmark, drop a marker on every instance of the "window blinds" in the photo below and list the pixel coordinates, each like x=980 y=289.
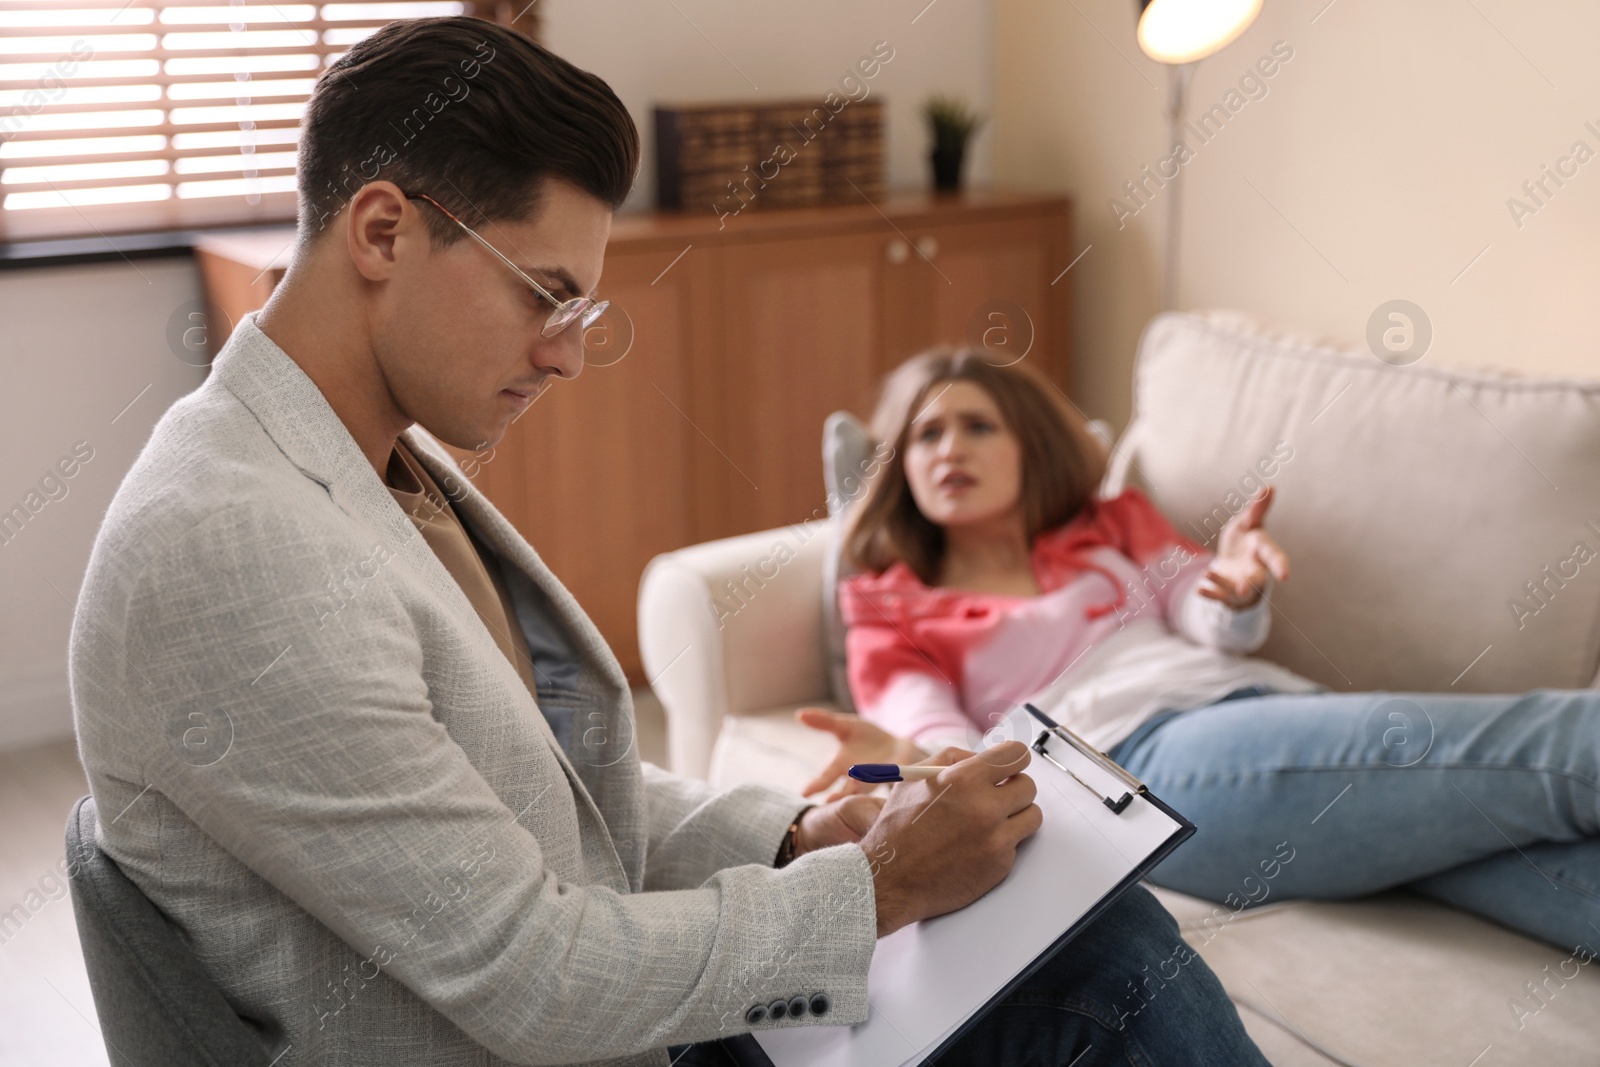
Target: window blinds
x=122 y=115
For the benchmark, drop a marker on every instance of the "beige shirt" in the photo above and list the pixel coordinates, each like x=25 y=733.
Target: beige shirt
x=420 y=497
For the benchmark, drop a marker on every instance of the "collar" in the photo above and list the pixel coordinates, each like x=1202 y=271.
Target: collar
x=297 y=416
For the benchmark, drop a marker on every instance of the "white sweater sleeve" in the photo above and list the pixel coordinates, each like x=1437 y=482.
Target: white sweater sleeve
x=1211 y=622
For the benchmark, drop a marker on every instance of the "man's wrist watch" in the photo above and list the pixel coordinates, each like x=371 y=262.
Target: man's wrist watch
x=791 y=839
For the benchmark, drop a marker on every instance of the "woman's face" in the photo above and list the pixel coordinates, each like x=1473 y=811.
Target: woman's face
x=963 y=463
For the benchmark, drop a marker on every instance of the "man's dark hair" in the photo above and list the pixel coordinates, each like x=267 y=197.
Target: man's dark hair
x=472 y=113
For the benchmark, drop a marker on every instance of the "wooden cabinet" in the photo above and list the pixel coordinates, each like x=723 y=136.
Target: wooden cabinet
x=699 y=412
x=980 y=283
x=812 y=323
x=801 y=339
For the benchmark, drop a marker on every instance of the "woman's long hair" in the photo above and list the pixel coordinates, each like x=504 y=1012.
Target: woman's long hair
x=1062 y=461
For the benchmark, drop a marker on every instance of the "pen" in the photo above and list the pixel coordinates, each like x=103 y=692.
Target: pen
x=891 y=772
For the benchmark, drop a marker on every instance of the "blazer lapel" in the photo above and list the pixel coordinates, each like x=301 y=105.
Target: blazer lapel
x=604 y=734
x=294 y=412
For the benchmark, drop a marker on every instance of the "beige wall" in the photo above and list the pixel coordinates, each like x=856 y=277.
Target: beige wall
x=1377 y=165
x=89 y=357
x=693 y=50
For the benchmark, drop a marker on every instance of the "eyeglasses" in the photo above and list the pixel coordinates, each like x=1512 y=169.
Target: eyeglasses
x=566 y=312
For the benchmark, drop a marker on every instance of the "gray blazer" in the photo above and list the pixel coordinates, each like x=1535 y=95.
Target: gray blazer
x=307 y=750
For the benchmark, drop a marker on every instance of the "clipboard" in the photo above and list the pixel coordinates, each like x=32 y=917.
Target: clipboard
x=1103 y=832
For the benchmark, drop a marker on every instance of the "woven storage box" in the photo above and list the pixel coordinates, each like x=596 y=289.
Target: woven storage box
x=726 y=157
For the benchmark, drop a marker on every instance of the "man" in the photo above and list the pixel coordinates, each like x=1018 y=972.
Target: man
x=351 y=735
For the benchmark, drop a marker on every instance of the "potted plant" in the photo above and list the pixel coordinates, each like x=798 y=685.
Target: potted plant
x=953 y=124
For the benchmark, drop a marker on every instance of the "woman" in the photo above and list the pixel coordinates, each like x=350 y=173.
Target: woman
x=994 y=576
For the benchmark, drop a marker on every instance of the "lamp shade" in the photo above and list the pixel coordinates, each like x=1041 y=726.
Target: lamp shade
x=1183 y=31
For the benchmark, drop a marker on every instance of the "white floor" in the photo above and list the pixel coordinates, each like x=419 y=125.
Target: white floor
x=47 y=1016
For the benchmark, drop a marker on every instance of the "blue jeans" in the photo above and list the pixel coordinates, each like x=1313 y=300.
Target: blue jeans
x=1127 y=991
x=1487 y=802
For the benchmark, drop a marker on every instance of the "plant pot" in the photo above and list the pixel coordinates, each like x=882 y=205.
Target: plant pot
x=947 y=162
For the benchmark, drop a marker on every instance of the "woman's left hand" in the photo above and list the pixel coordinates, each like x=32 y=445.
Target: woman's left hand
x=1246 y=554
x=859 y=742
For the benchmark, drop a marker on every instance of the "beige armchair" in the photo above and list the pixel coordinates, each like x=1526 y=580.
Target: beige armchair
x=1419 y=506
x=732 y=648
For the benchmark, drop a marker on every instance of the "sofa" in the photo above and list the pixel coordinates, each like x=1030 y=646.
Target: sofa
x=1438 y=522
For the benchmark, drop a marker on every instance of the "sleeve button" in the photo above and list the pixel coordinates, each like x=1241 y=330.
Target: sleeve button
x=756 y=1014
x=797 y=1007
x=777 y=1009
x=820 y=1004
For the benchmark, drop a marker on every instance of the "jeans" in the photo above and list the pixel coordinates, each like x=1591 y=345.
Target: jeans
x=1126 y=991
x=1487 y=802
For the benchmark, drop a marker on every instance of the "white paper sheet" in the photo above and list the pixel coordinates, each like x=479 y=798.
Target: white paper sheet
x=926 y=979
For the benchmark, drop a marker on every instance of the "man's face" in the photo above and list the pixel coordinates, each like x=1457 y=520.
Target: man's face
x=457 y=334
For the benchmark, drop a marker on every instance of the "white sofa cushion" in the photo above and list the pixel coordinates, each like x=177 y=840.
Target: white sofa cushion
x=1416 y=505
x=768 y=747
x=1393 y=979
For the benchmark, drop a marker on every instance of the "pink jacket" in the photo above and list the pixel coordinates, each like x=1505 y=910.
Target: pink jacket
x=928 y=662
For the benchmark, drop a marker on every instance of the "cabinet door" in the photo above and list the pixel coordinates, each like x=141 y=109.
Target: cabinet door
x=981 y=284
x=802 y=339
x=596 y=473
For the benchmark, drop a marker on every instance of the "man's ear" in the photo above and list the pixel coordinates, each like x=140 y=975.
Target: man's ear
x=382 y=227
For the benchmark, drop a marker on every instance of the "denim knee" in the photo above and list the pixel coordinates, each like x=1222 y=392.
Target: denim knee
x=1152 y=953
x=1143 y=928
x=1118 y=961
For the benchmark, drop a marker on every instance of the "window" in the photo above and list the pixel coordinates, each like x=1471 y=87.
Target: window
x=119 y=115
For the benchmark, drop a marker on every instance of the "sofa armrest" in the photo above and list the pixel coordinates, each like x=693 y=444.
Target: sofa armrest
x=733 y=626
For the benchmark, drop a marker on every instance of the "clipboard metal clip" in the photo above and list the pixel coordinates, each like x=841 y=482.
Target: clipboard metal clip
x=1100 y=759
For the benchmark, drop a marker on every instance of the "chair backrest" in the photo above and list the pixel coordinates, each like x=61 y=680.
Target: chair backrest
x=1443 y=525
x=158 y=1006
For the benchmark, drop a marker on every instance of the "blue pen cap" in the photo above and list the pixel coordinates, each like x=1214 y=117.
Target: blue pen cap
x=876 y=772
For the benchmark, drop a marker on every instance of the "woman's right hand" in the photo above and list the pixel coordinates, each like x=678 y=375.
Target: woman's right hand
x=859 y=742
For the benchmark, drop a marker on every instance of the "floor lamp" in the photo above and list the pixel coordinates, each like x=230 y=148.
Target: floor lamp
x=1180 y=33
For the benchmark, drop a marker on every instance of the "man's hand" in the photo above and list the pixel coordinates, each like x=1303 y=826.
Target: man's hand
x=1246 y=553
x=942 y=843
x=859 y=742
x=838 y=822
